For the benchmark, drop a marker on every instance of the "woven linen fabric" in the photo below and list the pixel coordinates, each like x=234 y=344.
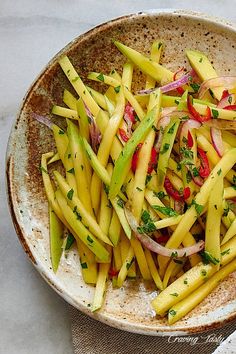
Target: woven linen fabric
x=93 y=337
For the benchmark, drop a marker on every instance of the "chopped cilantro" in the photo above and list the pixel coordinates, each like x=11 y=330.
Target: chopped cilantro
x=195 y=87
x=172 y=312
x=145 y=217
x=215 y=113
x=82 y=167
x=154 y=128
x=230 y=99
x=160 y=194
x=70 y=194
x=84 y=265
x=42 y=169
x=120 y=202
x=186 y=281
x=219 y=172
x=195 y=172
x=148 y=179
x=225 y=252
x=172 y=128
x=165 y=210
x=61 y=132
x=199 y=208
x=89 y=239
x=100 y=77
x=226 y=211
x=72 y=170
x=178 y=261
x=106 y=188
x=174 y=254
x=188 y=177
x=69 y=241
x=139 y=189
x=117 y=89
x=186 y=152
x=208 y=258
x=203 y=272
x=174 y=294
x=176 y=102
x=200 y=60
x=165 y=148
x=128 y=264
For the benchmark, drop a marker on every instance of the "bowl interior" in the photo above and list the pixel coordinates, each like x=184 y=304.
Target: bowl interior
x=129 y=307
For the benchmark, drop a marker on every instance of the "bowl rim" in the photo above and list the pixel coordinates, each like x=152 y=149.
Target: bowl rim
x=50 y=278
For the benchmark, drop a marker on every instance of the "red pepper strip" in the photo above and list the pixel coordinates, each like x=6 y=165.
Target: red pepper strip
x=153 y=161
x=231 y=107
x=204 y=169
x=174 y=193
x=186 y=193
x=135 y=158
x=195 y=114
x=113 y=272
x=123 y=135
x=162 y=239
x=225 y=94
x=180 y=90
x=190 y=140
x=129 y=113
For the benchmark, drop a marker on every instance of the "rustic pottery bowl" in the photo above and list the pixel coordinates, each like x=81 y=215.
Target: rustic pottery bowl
x=127 y=308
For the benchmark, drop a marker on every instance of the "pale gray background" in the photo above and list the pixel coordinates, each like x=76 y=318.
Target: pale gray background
x=33 y=319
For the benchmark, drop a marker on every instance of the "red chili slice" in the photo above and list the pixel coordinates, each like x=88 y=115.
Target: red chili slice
x=195 y=114
x=153 y=161
x=231 y=107
x=135 y=158
x=170 y=189
x=204 y=169
x=180 y=90
x=113 y=272
x=123 y=135
x=190 y=140
x=225 y=94
x=129 y=113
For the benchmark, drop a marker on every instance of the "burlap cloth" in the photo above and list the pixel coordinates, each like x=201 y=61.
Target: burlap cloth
x=92 y=337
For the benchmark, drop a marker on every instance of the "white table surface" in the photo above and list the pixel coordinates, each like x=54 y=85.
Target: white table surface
x=34 y=319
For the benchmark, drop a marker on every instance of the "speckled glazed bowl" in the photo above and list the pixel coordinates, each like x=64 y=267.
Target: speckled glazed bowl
x=127 y=308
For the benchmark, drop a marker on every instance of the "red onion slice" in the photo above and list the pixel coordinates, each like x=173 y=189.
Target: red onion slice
x=153 y=246
x=228 y=82
x=217 y=141
x=172 y=85
x=226 y=101
x=43 y=120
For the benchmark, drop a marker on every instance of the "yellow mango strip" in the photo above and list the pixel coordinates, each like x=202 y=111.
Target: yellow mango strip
x=56 y=231
x=213 y=221
x=145 y=64
x=229 y=138
x=173 y=166
x=105 y=208
x=173 y=268
x=124 y=249
x=69 y=100
x=229 y=192
x=105 y=146
x=100 y=286
x=78 y=158
x=110 y=106
x=106 y=79
x=190 y=302
x=173 y=220
x=114 y=229
x=117 y=257
x=61 y=140
x=78 y=85
x=88 y=263
x=65 y=112
x=70 y=171
x=127 y=75
x=156 y=50
x=191 y=280
x=79 y=209
x=175 y=180
x=231 y=232
x=153 y=269
x=228 y=216
x=125 y=267
x=48 y=186
x=98 y=97
x=80 y=231
x=55 y=158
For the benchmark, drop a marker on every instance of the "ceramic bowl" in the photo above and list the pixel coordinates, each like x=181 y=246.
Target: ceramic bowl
x=127 y=308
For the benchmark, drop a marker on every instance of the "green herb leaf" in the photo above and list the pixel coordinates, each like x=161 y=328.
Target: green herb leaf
x=203 y=272
x=215 y=113
x=121 y=203
x=42 y=169
x=69 y=241
x=219 y=172
x=208 y=258
x=199 y=208
x=195 y=87
x=145 y=217
x=90 y=240
x=172 y=312
x=174 y=294
x=117 y=89
x=225 y=252
x=139 y=189
x=128 y=265
x=171 y=130
x=72 y=170
x=165 y=148
x=100 y=77
x=165 y=210
x=61 y=132
x=84 y=265
x=70 y=194
x=148 y=179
